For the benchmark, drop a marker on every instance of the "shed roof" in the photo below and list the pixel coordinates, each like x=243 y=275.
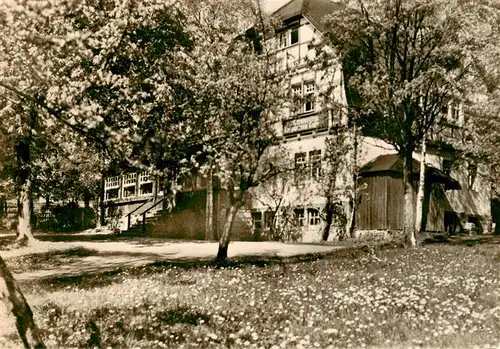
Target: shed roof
x=314 y=10
x=394 y=163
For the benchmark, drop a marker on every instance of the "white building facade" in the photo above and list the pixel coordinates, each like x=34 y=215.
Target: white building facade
x=308 y=124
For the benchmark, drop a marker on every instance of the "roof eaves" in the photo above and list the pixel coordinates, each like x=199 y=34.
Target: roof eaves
x=313 y=22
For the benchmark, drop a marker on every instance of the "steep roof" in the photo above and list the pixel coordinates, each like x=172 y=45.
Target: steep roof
x=314 y=10
x=394 y=163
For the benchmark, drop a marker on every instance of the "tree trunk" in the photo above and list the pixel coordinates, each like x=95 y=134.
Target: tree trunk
x=97 y=210
x=353 y=202
x=352 y=216
x=328 y=219
x=13 y=298
x=86 y=199
x=101 y=209
x=226 y=233
x=23 y=182
x=33 y=217
x=24 y=234
x=209 y=208
x=409 y=216
x=86 y=205
x=169 y=193
x=419 y=218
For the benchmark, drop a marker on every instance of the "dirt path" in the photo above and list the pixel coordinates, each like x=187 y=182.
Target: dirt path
x=116 y=255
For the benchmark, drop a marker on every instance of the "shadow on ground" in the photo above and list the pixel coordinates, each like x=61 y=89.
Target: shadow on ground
x=466 y=240
x=88 y=276
x=8 y=240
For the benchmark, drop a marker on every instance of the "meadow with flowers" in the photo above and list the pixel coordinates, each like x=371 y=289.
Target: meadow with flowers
x=433 y=296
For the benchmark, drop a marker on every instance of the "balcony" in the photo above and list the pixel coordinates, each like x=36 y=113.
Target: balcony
x=129 y=187
x=304 y=124
x=446 y=133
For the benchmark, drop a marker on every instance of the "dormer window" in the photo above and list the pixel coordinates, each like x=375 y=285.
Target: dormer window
x=294 y=36
x=290 y=36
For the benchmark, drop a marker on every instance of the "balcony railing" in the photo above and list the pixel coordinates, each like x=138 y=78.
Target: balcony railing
x=306 y=123
x=129 y=186
x=447 y=133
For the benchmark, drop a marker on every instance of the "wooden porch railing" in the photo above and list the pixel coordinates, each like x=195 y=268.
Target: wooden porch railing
x=130 y=186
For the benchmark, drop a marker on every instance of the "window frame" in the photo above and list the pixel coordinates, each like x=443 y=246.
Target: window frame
x=301 y=164
x=309 y=104
x=257 y=218
x=300 y=217
x=283 y=40
x=290 y=35
x=315 y=162
x=313 y=216
x=304 y=98
x=472 y=170
x=293 y=30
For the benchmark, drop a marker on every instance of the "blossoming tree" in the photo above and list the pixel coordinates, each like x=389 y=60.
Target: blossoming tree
x=402 y=63
x=240 y=95
x=74 y=73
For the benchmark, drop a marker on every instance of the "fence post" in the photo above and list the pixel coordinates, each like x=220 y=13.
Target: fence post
x=144 y=223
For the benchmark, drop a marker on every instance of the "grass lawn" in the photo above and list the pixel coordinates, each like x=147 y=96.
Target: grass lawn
x=436 y=296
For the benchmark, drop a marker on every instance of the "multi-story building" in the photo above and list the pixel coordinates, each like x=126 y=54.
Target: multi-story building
x=294 y=205
x=456 y=194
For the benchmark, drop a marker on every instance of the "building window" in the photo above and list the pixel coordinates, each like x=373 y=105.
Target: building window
x=112 y=194
x=297 y=98
x=300 y=161
x=299 y=217
x=128 y=191
x=289 y=37
x=315 y=163
x=303 y=98
x=447 y=164
x=452 y=112
x=472 y=174
x=309 y=88
x=294 y=36
x=300 y=166
x=297 y=90
x=146 y=188
x=309 y=97
x=257 y=221
x=314 y=216
x=284 y=39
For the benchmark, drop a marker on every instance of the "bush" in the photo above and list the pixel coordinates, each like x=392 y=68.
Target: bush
x=66 y=218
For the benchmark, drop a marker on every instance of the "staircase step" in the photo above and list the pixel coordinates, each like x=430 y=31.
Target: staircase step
x=151 y=217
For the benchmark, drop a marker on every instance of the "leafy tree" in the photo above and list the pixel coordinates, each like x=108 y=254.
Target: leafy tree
x=70 y=72
x=402 y=65
x=337 y=181
x=482 y=137
x=18 y=308
x=239 y=99
x=481 y=140
x=106 y=71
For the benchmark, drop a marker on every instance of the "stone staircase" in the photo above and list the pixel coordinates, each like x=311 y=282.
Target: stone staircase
x=139 y=221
